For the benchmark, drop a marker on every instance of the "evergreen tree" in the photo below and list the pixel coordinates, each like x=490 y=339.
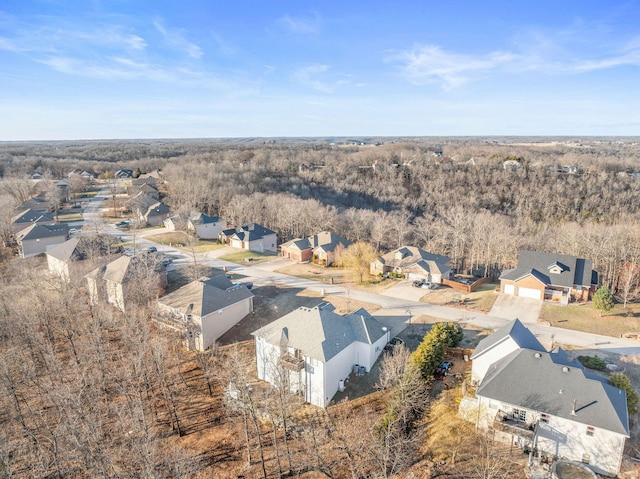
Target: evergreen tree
x=603 y=300
x=620 y=380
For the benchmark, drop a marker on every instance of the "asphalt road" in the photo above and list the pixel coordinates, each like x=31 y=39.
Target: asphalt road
x=394 y=311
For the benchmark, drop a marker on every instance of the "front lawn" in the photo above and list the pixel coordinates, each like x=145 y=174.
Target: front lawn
x=180 y=239
x=585 y=318
x=248 y=257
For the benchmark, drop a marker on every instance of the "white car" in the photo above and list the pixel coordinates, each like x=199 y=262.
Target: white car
x=73 y=231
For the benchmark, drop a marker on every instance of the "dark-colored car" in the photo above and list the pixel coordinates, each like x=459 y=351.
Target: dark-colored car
x=446 y=365
x=152 y=249
x=122 y=224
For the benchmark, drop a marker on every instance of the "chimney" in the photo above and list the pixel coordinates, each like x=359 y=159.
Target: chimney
x=573 y=408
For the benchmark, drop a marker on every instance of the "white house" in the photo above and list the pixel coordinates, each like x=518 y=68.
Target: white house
x=206 y=227
x=547 y=403
x=59 y=258
x=317 y=349
x=252 y=237
x=205 y=309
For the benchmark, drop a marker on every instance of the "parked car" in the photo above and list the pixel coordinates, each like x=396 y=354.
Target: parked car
x=129 y=251
x=73 y=231
x=152 y=249
x=248 y=284
x=446 y=365
x=122 y=224
x=166 y=262
x=418 y=283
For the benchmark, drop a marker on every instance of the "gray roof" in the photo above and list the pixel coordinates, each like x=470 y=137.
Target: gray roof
x=157 y=209
x=545 y=382
x=122 y=269
x=514 y=330
x=66 y=251
x=325 y=240
x=201 y=218
x=205 y=296
x=408 y=256
x=320 y=333
x=572 y=270
x=39 y=231
x=249 y=232
x=33 y=216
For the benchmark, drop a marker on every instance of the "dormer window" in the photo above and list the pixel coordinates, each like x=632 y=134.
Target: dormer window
x=399 y=255
x=556 y=268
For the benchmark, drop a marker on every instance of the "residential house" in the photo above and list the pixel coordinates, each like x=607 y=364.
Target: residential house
x=154 y=176
x=156 y=214
x=148 y=209
x=551 y=276
x=60 y=257
x=36 y=238
x=36 y=203
x=320 y=248
x=124 y=173
x=206 y=227
x=127 y=279
x=250 y=236
x=80 y=172
x=544 y=401
x=176 y=223
x=30 y=217
x=36 y=175
x=64 y=189
x=63 y=259
x=413 y=263
x=205 y=309
x=318 y=349
x=151 y=190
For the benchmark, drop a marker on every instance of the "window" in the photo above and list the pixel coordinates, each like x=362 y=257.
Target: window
x=590 y=431
x=519 y=414
x=544 y=418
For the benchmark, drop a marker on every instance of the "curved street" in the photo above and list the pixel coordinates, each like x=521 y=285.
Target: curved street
x=395 y=311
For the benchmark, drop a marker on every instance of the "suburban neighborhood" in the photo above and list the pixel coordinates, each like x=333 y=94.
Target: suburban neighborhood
x=563 y=412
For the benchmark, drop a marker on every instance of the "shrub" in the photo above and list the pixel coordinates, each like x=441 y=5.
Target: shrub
x=621 y=381
x=603 y=300
x=593 y=362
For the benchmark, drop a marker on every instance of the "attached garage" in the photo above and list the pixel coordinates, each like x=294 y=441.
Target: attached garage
x=508 y=289
x=530 y=293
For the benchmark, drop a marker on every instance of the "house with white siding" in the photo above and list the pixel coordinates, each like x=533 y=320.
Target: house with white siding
x=251 y=237
x=206 y=227
x=414 y=264
x=544 y=402
x=315 y=350
x=204 y=310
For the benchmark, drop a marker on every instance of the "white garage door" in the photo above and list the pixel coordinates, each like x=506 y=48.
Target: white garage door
x=508 y=289
x=529 y=293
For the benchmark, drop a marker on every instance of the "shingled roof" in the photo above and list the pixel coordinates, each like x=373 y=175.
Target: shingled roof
x=408 y=256
x=325 y=240
x=320 y=333
x=204 y=296
x=553 y=269
x=558 y=387
x=513 y=330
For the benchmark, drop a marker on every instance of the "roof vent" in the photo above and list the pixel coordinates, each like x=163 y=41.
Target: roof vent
x=538 y=355
x=565 y=369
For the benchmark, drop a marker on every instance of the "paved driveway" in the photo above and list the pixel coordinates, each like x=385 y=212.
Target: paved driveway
x=405 y=290
x=511 y=307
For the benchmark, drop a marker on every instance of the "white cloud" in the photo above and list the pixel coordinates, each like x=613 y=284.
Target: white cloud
x=301 y=25
x=430 y=64
x=175 y=39
x=310 y=76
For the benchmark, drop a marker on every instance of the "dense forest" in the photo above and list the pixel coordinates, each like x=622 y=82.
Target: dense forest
x=477 y=200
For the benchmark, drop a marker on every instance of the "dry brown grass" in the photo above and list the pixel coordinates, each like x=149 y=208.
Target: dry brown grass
x=585 y=318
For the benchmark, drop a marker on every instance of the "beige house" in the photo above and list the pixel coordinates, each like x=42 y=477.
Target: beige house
x=205 y=309
x=251 y=237
x=320 y=248
x=60 y=257
x=126 y=280
x=413 y=263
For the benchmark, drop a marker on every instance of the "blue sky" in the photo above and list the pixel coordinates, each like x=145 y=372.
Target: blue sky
x=208 y=68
